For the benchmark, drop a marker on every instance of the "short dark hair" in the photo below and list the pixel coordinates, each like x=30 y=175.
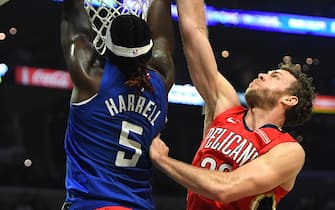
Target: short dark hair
x=131 y=31
x=305 y=91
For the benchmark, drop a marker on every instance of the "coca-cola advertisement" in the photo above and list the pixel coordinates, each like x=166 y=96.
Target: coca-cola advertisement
x=41 y=77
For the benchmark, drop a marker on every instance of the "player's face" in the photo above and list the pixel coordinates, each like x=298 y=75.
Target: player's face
x=268 y=88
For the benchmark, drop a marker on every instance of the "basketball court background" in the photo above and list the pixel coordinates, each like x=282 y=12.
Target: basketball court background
x=33 y=119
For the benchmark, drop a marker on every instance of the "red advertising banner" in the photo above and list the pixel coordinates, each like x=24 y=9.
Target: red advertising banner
x=324 y=104
x=41 y=77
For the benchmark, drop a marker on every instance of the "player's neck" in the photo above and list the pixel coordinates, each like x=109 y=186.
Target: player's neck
x=257 y=117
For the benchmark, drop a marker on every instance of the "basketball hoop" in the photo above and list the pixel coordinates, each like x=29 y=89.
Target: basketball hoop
x=102 y=13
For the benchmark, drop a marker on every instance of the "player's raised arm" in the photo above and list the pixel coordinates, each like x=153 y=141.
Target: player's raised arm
x=213 y=87
x=76 y=38
x=161 y=26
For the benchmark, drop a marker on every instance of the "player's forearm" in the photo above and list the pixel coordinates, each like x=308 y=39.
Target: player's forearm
x=192 y=10
x=161 y=26
x=75 y=19
x=211 y=184
x=160 y=23
x=191 y=19
x=71 y=7
x=197 y=49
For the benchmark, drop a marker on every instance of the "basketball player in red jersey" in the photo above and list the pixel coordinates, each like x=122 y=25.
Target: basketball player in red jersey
x=252 y=162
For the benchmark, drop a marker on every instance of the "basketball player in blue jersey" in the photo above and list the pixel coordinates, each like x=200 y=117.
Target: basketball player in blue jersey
x=118 y=105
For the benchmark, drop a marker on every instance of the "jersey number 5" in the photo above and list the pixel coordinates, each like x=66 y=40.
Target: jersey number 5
x=124 y=140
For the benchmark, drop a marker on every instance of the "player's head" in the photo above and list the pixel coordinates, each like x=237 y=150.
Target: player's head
x=287 y=87
x=129 y=36
x=304 y=90
x=129 y=42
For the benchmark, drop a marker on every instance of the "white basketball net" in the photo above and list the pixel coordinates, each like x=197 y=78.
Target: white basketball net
x=102 y=12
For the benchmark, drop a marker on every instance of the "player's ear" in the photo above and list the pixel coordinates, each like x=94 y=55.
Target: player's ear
x=290 y=100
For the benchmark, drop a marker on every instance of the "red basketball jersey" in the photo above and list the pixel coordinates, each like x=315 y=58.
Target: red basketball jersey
x=229 y=144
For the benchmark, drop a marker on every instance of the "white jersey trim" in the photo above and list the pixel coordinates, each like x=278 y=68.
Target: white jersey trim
x=85 y=101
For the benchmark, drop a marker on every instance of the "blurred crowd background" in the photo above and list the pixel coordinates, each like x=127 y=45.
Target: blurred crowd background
x=33 y=119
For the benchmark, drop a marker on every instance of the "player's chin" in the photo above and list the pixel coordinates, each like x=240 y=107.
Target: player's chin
x=249 y=89
x=252 y=87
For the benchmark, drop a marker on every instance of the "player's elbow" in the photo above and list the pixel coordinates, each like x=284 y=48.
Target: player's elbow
x=236 y=190
x=223 y=194
x=226 y=197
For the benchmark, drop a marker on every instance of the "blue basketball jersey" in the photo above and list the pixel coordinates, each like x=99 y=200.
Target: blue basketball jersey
x=107 y=143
